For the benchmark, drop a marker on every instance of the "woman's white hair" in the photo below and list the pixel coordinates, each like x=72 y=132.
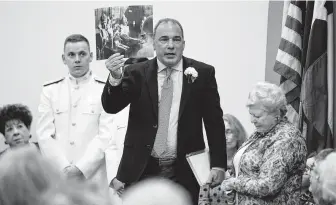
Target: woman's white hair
x=327 y=183
x=270 y=96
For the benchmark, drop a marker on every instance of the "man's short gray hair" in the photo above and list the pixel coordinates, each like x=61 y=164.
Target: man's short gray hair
x=166 y=20
x=270 y=96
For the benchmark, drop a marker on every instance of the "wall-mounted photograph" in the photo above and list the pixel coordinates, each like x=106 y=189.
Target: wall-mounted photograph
x=127 y=30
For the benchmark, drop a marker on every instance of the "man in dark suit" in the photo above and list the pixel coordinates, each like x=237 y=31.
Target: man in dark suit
x=167 y=107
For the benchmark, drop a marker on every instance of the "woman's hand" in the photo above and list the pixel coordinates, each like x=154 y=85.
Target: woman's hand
x=228 y=184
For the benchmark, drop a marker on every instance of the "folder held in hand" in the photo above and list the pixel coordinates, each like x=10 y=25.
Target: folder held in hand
x=199 y=163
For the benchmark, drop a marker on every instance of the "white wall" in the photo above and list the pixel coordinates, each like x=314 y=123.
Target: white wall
x=273 y=39
x=229 y=35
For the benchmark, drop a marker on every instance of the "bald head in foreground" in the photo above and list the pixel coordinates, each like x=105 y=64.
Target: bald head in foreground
x=156 y=191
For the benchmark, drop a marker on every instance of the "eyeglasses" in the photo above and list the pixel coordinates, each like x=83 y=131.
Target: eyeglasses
x=314 y=175
x=228 y=132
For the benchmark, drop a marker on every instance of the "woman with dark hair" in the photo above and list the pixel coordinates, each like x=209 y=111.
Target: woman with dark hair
x=235 y=136
x=15 y=123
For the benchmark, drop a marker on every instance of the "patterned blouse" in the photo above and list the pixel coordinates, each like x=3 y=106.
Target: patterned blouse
x=271 y=168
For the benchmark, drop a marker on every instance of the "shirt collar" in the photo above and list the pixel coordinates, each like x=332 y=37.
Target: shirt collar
x=80 y=79
x=178 y=67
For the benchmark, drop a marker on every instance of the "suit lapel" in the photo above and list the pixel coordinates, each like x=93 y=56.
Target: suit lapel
x=152 y=83
x=185 y=86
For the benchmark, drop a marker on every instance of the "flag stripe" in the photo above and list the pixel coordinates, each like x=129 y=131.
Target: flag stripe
x=293 y=24
x=289 y=61
x=320 y=12
x=294 y=95
x=317 y=42
x=287 y=72
x=291 y=36
x=287 y=85
x=290 y=48
x=295 y=11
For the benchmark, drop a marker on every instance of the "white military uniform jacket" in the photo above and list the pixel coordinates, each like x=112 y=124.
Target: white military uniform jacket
x=73 y=128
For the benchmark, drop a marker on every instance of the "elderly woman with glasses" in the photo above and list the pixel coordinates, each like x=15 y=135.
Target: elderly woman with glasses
x=15 y=123
x=313 y=171
x=269 y=165
x=323 y=181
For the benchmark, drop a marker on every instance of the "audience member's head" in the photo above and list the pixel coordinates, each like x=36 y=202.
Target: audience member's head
x=234 y=132
x=73 y=193
x=322 y=155
x=24 y=176
x=15 y=122
x=156 y=192
x=312 y=160
x=309 y=167
x=323 y=178
x=267 y=105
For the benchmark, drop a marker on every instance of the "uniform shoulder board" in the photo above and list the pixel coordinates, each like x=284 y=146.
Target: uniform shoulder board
x=99 y=80
x=53 y=82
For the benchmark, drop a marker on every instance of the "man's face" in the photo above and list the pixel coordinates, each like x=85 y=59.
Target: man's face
x=16 y=133
x=169 y=43
x=77 y=57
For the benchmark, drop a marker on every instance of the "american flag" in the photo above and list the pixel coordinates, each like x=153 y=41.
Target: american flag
x=305 y=61
x=288 y=59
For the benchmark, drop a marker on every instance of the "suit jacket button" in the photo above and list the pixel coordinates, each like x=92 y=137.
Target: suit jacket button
x=155 y=126
x=148 y=146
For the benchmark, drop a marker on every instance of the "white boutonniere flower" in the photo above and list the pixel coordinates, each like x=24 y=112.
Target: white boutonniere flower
x=191 y=74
